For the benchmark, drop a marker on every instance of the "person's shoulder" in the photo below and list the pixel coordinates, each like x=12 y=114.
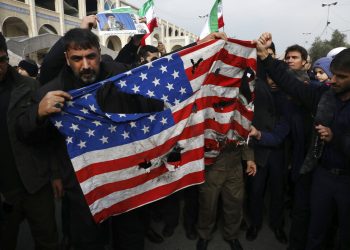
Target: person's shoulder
x=114 y=68
x=20 y=80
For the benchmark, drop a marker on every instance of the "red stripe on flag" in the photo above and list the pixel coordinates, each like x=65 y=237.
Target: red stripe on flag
x=150 y=196
x=222 y=81
x=151 y=25
x=248 y=44
x=125 y=162
x=195 y=48
x=106 y=189
x=221 y=22
x=236 y=61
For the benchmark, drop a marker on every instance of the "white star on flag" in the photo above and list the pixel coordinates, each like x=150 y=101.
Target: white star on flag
x=163 y=121
x=125 y=135
x=156 y=82
x=112 y=128
x=69 y=139
x=97 y=123
x=104 y=139
x=169 y=86
x=136 y=89
x=91 y=132
x=132 y=124
x=82 y=144
x=175 y=74
x=70 y=103
x=152 y=118
x=143 y=76
x=122 y=83
x=150 y=93
x=86 y=96
x=145 y=129
x=92 y=108
x=58 y=124
x=163 y=68
x=74 y=127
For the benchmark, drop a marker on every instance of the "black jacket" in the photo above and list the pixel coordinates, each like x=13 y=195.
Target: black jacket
x=32 y=165
x=265 y=117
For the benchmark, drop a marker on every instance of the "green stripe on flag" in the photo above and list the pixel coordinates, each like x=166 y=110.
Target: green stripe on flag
x=126 y=9
x=213 y=18
x=145 y=8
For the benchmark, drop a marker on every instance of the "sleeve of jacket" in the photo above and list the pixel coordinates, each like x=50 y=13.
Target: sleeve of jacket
x=309 y=95
x=53 y=63
x=29 y=127
x=34 y=133
x=247 y=153
x=128 y=54
x=277 y=135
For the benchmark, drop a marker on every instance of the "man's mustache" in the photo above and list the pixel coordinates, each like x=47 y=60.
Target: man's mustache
x=87 y=72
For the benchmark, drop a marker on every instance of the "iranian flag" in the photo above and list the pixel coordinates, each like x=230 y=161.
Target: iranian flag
x=147 y=11
x=215 y=20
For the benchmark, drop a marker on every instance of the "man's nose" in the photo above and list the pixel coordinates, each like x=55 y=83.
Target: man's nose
x=85 y=63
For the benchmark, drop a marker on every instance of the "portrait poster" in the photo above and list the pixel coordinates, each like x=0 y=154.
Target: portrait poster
x=113 y=23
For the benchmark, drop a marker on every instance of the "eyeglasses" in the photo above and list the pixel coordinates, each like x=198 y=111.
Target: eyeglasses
x=4 y=59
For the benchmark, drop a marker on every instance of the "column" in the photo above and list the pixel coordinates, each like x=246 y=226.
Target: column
x=100 y=6
x=32 y=13
x=82 y=8
x=60 y=10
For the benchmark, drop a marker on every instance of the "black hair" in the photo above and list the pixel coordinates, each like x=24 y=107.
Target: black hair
x=298 y=48
x=144 y=50
x=106 y=58
x=341 y=61
x=78 y=38
x=3 y=45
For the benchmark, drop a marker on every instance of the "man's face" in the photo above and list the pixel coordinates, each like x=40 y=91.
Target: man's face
x=85 y=63
x=23 y=72
x=294 y=60
x=111 y=19
x=340 y=81
x=3 y=64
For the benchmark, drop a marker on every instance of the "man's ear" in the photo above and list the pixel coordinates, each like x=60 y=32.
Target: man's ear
x=66 y=56
x=303 y=62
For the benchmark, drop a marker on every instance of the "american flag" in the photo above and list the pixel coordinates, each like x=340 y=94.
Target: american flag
x=124 y=161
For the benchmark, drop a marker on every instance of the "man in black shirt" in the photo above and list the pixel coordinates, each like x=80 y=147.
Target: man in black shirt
x=24 y=173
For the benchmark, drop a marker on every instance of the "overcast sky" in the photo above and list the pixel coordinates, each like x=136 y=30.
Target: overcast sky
x=287 y=20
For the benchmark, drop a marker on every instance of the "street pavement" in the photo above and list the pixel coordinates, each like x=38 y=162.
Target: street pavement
x=264 y=241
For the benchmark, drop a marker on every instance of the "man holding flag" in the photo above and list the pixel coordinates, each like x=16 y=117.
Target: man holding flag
x=84 y=68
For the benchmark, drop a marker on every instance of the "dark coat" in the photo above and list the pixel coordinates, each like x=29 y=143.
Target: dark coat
x=265 y=118
x=32 y=165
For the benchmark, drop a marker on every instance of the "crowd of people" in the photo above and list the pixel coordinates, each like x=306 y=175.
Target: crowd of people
x=298 y=151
